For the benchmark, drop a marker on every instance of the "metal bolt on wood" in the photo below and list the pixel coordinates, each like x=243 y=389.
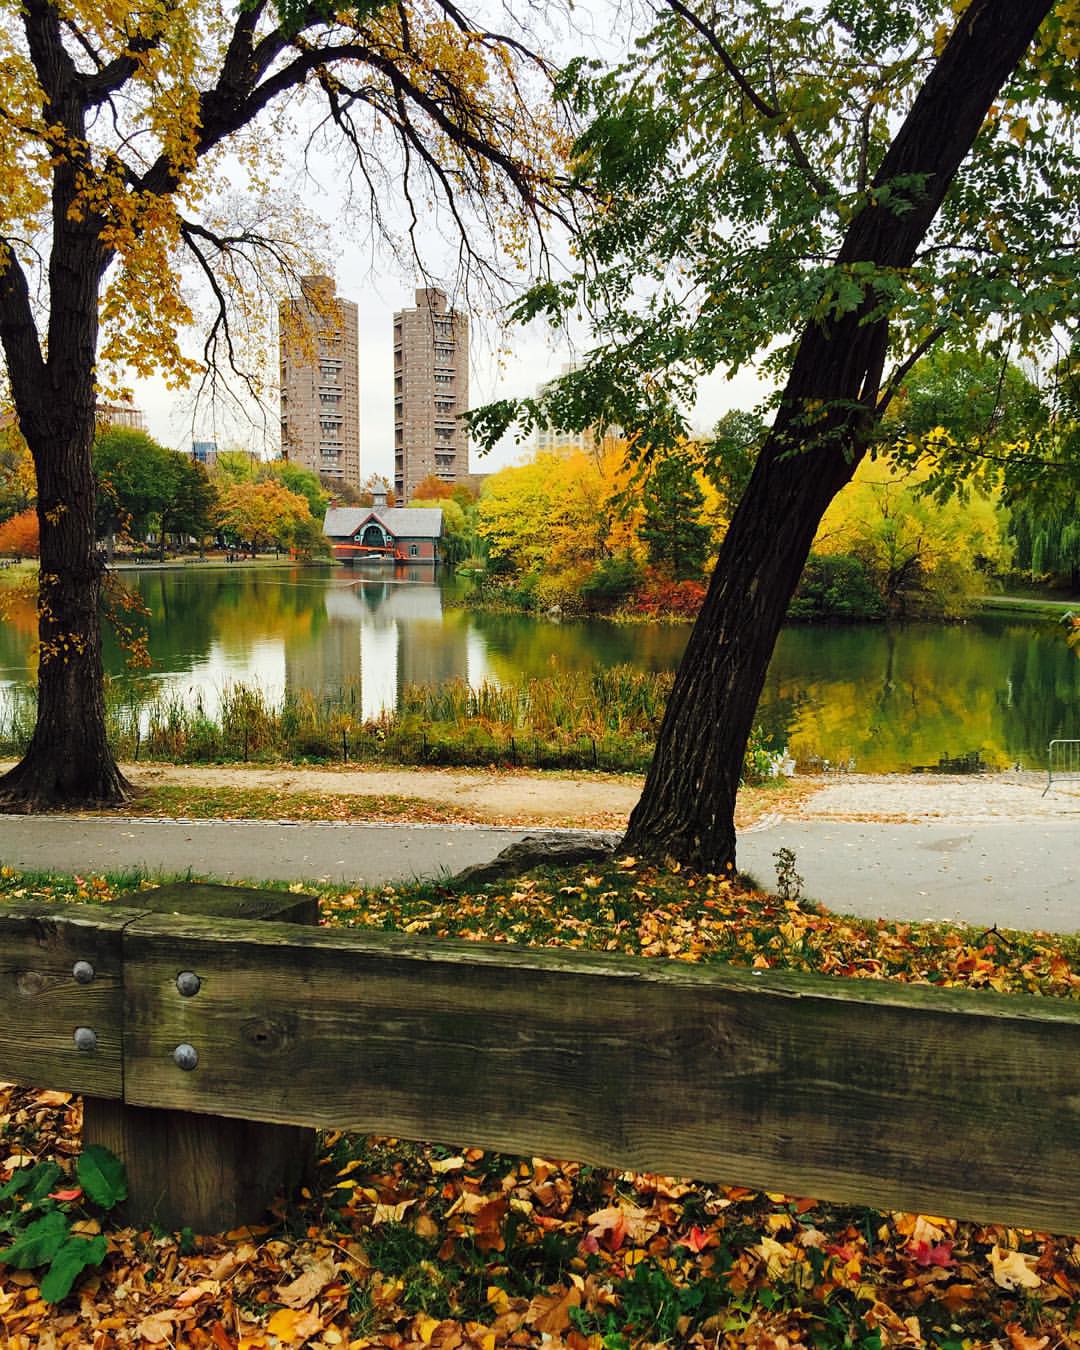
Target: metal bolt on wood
x=188 y=983
x=85 y=1038
x=83 y=972
x=186 y=1057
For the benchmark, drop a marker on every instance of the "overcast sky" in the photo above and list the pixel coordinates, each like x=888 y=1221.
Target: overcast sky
x=503 y=364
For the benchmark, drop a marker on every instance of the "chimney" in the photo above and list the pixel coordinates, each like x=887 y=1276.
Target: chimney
x=378 y=498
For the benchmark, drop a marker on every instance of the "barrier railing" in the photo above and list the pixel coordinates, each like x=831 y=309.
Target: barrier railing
x=188 y=1032
x=1062 y=763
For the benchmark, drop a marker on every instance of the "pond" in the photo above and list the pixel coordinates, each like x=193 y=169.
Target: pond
x=878 y=698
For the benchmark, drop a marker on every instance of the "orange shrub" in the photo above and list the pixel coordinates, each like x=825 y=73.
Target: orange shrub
x=669 y=599
x=19 y=535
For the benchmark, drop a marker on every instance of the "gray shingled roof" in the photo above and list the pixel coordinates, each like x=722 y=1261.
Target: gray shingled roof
x=403 y=522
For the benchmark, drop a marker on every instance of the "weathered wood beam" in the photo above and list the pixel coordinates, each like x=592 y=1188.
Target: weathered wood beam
x=890 y=1095
x=61 y=972
x=207 y=1172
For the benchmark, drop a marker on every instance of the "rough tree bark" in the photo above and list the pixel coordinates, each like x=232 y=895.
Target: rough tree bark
x=68 y=759
x=820 y=434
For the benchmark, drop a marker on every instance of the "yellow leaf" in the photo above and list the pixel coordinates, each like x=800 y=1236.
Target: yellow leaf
x=283 y=1324
x=1019 y=129
x=499 y=1299
x=426 y=1326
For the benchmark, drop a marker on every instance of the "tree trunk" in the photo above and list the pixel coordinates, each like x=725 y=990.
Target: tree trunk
x=821 y=432
x=68 y=759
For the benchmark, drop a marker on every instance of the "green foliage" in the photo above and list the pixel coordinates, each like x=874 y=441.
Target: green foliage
x=459 y=518
x=101 y=1175
x=37 y=1208
x=142 y=485
x=969 y=416
x=672 y=531
x=836 y=586
x=723 y=164
x=731 y=453
x=236 y=466
x=301 y=481
x=190 y=509
x=135 y=479
x=612 y=582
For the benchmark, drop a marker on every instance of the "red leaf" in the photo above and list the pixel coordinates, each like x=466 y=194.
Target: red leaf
x=923 y=1254
x=72 y=1193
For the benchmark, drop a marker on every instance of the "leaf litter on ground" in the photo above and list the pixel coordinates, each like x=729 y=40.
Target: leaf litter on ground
x=408 y=1245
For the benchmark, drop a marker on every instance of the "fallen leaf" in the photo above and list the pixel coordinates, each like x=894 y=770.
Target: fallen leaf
x=156 y=1328
x=391 y=1213
x=204 y=1289
x=923 y=1254
x=1020 y=1340
x=1013 y=1270
x=71 y=1193
x=551 y=1312
x=306 y=1287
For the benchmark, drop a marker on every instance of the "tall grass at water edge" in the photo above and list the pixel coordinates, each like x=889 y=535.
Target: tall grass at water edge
x=604 y=719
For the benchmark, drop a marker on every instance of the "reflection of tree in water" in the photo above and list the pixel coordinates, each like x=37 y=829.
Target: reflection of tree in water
x=520 y=645
x=895 y=698
x=777 y=715
x=192 y=611
x=1041 y=699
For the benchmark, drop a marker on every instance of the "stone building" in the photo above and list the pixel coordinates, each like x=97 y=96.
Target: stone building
x=320 y=397
x=431 y=392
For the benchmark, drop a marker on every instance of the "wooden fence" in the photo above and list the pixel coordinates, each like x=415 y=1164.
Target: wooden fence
x=889 y=1095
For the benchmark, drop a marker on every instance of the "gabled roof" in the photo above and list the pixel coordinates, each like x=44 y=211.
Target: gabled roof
x=403 y=522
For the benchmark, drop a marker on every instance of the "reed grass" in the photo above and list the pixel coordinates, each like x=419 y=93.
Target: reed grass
x=602 y=719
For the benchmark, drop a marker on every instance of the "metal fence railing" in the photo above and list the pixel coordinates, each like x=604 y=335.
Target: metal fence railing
x=1062 y=763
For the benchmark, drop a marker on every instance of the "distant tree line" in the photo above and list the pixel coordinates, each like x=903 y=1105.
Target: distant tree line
x=146 y=492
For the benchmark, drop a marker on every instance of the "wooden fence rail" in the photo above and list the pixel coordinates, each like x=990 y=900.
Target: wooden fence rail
x=889 y=1095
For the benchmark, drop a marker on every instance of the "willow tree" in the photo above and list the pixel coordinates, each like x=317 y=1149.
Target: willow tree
x=122 y=127
x=833 y=190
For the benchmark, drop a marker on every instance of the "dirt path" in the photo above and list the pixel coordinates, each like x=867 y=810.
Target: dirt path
x=488 y=793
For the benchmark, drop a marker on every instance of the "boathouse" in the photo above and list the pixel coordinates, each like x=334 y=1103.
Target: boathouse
x=384 y=533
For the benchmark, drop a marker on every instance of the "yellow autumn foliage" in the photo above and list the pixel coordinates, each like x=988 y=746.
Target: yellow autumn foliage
x=914 y=548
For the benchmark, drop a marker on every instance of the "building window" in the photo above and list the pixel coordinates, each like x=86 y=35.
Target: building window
x=414 y=550
x=444 y=379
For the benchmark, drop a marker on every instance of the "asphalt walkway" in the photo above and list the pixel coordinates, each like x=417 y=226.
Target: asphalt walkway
x=1013 y=874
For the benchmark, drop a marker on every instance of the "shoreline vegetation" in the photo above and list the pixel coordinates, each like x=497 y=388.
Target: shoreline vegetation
x=604 y=720
x=832 y=592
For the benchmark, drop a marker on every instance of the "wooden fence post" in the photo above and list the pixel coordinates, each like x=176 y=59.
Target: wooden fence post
x=204 y=1172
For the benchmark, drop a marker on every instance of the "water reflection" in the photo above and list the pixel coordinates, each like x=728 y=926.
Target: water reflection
x=885 y=698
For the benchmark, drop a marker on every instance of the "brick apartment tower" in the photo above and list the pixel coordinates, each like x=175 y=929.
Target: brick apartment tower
x=431 y=391
x=320 y=397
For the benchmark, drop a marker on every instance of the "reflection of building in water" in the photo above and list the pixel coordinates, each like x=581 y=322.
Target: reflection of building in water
x=382 y=634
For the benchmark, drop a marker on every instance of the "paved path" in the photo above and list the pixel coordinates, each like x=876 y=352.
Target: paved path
x=1014 y=874
x=1020 y=875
